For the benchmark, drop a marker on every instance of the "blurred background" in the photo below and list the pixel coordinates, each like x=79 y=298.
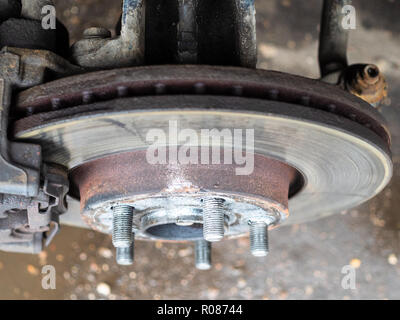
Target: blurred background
x=306 y=260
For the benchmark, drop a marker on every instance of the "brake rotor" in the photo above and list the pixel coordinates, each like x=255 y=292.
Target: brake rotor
x=314 y=144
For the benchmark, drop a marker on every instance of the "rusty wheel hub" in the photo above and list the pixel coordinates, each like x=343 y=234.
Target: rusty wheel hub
x=168 y=199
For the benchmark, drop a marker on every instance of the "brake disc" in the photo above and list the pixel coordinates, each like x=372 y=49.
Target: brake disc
x=317 y=149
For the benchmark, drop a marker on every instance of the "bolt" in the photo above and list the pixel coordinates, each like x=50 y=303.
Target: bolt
x=203 y=254
x=123 y=237
x=213 y=219
x=97 y=33
x=125 y=255
x=259 y=238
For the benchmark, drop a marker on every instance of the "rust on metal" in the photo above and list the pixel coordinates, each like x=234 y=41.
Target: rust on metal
x=210 y=80
x=366 y=82
x=129 y=174
x=204 y=95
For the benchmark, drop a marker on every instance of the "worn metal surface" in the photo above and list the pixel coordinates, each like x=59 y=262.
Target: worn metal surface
x=19 y=179
x=333 y=38
x=27 y=207
x=128 y=178
x=163 y=80
x=142 y=114
x=362 y=80
x=125 y=50
x=31 y=67
x=23 y=68
x=23 y=220
x=130 y=174
x=245 y=23
x=308 y=139
x=365 y=81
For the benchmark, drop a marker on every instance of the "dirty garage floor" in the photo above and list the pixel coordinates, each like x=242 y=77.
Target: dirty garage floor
x=305 y=260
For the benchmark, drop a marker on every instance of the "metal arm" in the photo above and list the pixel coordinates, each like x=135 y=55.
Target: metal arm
x=333 y=38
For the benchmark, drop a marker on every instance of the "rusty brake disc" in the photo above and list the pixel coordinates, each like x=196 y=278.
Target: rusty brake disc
x=314 y=144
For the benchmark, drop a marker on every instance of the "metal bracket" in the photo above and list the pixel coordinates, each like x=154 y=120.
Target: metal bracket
x=123 y=51
x=28 y=207
x=19 y=163
x=22 y=218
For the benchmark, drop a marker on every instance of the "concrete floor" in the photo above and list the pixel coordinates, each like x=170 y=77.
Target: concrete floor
x=305 y=260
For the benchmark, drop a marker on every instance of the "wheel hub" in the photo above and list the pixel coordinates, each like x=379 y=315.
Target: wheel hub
x=168 y=199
